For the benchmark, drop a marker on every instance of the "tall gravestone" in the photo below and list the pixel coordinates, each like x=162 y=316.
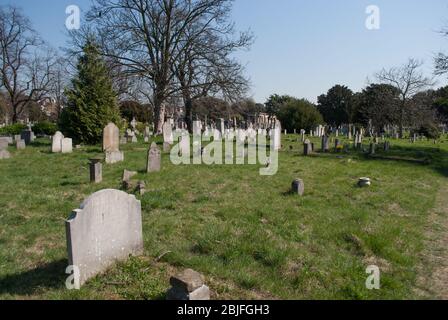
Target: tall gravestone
x=154 y=160
x=168 y=133
x=106 y=228
x=4 y=153
x=111 y=144
x=56 y=141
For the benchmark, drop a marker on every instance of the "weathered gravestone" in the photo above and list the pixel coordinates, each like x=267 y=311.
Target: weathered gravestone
x=3 y=144
x=56 y=142
x=298 y=187
x=27 y=135
x=66 y=145
x=4 y=153
x=20 y=144
x=154 y=159
x=307 y=147
x=111 y=144
x=96 y=170
x=168 y=133
x=107 y=228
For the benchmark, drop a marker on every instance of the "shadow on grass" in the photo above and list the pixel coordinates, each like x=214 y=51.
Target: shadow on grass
x=48 y=276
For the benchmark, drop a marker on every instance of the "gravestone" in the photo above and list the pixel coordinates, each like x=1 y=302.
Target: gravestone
x=4 y=154
x=111 y=138
x=20 y=145
x=3 y=144
x=168 y=133
x=372 y=148
x=107 y=228
x=166 y=147
x=298 y=187
x=56 y=142
x=154 y=159
x=96 y=170
x=66 y=145
x=307 y=148
x=27 y=135
x=325 y=144
x=111 y=144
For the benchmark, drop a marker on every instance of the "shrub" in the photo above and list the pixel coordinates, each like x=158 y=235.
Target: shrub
x=45 y=127
x=13 y=129
x=299 y=114
x=429 y=130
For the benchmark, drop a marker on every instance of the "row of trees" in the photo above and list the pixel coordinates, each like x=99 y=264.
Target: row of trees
x=401 y=96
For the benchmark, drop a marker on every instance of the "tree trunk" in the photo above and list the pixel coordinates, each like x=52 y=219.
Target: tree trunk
x=188 y=104
x=159 y=112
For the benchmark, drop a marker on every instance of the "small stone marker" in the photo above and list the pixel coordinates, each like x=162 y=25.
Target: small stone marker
x=4 y=154
x=107 y=228
x=56 y=142
x=364 y=182
x=154 y=159
x=96 y=170
x=3 y=144
x=141 y=188
x=188 y=285
x=307 y=147
x=20 y=144
x=298 y=187
x=66 y=145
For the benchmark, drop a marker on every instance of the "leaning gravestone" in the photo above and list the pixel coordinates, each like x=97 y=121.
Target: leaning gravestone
x=107 y=228
x=111 y=144
x=56 y=143
x=154 y=159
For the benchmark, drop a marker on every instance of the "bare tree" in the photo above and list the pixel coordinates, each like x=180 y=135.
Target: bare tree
x=148 y=37
x=409 y=81
x=25 y=71
x=205 y=66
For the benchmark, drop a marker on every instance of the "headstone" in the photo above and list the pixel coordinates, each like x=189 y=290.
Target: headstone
x=66 y=145
x=20 y=144
x=111 y=144
x=307 y=148
x=372 y=148
x=168 y=133
x=96 y=170
x=298 y=187
x=111 y=138
x=154 y=159
x=56 y=142
x=4 y=154
x=325 y=144
x=27 y=135
x=107 y=228
x=188 y=285
x=3 y=144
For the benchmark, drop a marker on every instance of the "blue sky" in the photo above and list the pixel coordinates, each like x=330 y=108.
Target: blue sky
x=304 y=47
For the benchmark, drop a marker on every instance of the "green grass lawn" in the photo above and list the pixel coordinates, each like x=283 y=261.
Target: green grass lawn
x=244 y=232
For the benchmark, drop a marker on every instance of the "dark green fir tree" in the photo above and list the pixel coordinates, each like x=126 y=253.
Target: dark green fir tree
x=91 y=100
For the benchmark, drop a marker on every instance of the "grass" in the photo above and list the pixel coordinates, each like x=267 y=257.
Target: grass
x=244 y=232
